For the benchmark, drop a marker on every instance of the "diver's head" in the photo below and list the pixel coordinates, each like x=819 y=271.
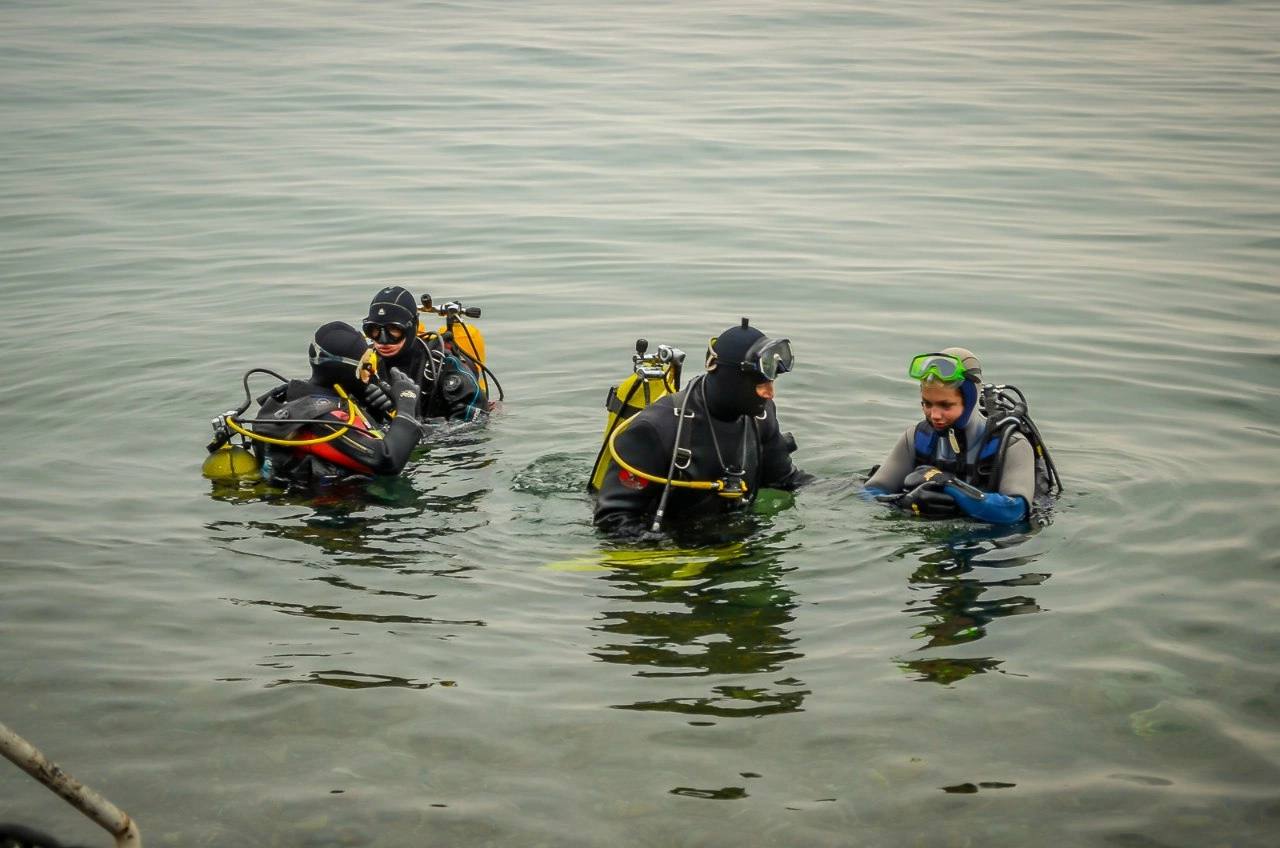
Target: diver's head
x=392 y=319
x=340 y=356
x=742 y=363
x=949 y=382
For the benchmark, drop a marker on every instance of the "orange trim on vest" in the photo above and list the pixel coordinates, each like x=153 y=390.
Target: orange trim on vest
x=329 y=453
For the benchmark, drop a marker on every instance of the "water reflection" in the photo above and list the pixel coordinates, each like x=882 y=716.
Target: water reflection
x=962 y=601
x=710 y=612
x=353 y=558
x=342 y=679
x=374 y=523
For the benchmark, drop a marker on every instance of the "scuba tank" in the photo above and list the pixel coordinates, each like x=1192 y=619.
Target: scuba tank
x=465 y=339
x=227 y=462
x=230 y=463
x=1005 y=408
x=653 y=376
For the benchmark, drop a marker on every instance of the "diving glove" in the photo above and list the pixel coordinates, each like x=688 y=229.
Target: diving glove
x=404 y=391
x=927 y=475
x=377 y=396
x=936 y=478
x=928 y=500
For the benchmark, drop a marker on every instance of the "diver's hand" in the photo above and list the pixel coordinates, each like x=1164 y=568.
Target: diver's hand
x=927 y=475
x=928 y=499
x=404 y=391
x=377 y=396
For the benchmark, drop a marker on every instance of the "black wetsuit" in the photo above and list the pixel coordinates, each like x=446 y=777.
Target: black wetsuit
x=754 y=446
x=459 y=395
x=354 y=454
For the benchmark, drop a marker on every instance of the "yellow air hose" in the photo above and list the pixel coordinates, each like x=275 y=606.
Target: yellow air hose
x=703 y=485
x=298 y=443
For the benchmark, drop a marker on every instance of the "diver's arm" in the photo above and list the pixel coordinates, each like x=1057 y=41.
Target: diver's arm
x=400 y=440
x=991 y=507
x=625 y=504
x=385 y=453
x=889 y=477
x=1016 y=489
x=1019 y=475
x=777 y=471
x=388 y=454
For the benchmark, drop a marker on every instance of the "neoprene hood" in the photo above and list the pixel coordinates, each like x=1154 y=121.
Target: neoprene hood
x=394 y=305
x=335 y=354
x=731 y=392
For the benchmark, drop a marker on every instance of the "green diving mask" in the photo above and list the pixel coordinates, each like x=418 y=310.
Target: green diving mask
x=944 y=366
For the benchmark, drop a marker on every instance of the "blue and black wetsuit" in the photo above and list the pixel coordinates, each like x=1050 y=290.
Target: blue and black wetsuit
x=1009 y=488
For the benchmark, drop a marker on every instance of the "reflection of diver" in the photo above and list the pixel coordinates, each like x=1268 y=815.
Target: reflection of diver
x=704 y=450
x=957 y=612
x=313 y=431
x=337 y=517
x=710 y=612
x=976 y=452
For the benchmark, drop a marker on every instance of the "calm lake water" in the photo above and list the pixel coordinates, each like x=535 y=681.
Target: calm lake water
x=1086 y=194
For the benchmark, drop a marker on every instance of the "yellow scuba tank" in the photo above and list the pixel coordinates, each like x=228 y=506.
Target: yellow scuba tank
x=231 y=464
x=653 y=376
x=466 y=338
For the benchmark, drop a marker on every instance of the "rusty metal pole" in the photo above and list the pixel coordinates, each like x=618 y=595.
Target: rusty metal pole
x=103 y=813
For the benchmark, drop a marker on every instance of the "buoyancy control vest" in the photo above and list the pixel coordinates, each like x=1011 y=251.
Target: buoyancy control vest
x=981 y=464
x=292 y=406
x=974 y=464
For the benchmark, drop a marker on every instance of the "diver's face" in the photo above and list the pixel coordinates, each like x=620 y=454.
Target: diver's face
x=389 y=349
x=765 y=390
x=942 y=405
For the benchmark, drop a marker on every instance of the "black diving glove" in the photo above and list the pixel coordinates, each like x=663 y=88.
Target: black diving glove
x=925 y=494
x=927 y=475
x=377 y=396
x=404 y=391
x=928 y=500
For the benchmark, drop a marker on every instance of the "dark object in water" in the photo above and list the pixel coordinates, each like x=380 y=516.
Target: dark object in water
x=18 y=836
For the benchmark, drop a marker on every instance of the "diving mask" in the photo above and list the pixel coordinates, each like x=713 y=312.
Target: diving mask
x=768 y=358
x=387 y=334
x=366 y=364
x=944 y=366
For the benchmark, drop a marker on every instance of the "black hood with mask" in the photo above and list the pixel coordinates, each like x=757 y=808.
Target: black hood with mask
x=730 y=391
x=335 y=356
x=394 y=305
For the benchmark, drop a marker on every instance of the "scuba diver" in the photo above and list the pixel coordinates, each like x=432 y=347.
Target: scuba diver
x=976 y=453
x=448 y=364
x=703 y=450
x=312 y=431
